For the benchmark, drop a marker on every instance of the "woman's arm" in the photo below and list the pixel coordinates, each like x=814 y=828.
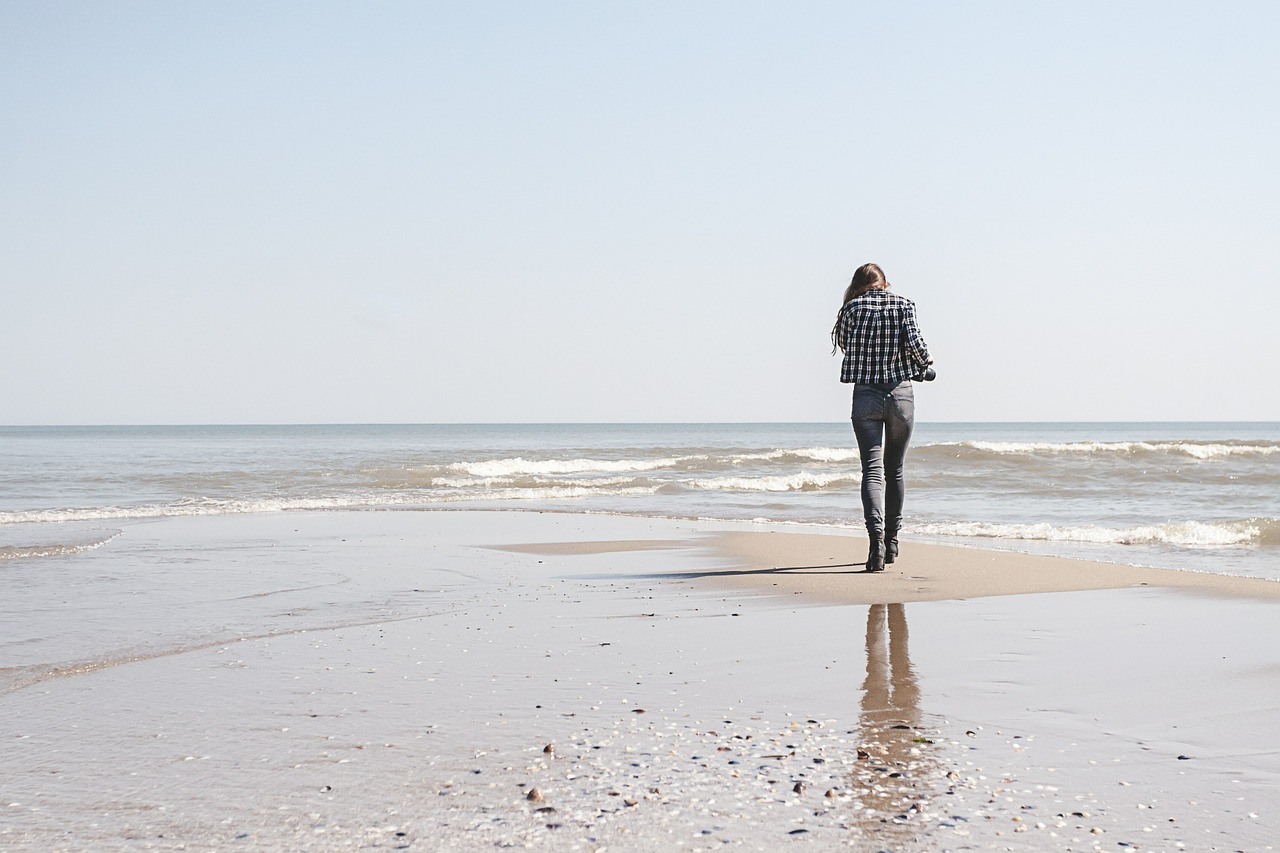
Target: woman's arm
x=914 y=340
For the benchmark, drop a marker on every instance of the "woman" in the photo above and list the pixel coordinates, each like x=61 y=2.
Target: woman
x=883 y=349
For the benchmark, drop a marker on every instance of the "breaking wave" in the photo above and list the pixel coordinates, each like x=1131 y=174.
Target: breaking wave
x=1192 y=449
x=518 y=466
x=801 y=482
x=1187 y=534
x=385 y=500
x=73 y=545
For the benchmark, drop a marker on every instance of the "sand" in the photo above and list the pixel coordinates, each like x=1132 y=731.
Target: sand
x=473 y=681
x=830 y=568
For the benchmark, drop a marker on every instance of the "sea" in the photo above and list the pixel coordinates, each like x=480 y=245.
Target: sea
x=1194 y=496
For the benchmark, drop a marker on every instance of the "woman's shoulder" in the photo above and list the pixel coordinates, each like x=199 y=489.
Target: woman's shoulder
x=877 y=299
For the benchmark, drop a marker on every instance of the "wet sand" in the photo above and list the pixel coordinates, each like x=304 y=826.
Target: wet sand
x=466 y=681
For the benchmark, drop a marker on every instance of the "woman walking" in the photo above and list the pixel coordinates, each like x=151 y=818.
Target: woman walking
x=883 y=349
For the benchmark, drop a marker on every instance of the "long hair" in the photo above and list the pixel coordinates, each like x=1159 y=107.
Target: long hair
x=866 y=278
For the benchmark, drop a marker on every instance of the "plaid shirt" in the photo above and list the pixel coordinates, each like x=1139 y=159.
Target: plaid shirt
x=880 y=338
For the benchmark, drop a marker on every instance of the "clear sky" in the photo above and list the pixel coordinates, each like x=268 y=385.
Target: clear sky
x=604 y=211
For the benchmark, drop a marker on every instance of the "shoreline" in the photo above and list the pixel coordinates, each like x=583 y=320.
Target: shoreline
x=406 y=680
x=932 y=572
x=1002 y=556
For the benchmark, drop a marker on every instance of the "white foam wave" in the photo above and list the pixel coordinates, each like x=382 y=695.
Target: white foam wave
x=1188 y=534
x=529 y=482
x=801 y=482
x=825 y=454
x=546 y=493
x=812 y=454
x=401 y=499
x=519 y=465
x=1187 y=448
x=179 y=509
x=54 y=549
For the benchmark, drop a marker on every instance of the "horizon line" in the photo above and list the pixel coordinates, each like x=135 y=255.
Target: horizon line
x=593 y=423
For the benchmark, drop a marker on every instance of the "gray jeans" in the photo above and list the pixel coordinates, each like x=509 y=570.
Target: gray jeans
x=883 y=416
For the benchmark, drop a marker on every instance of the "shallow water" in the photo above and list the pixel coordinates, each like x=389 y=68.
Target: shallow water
x=327 y=680
x=1196 y=496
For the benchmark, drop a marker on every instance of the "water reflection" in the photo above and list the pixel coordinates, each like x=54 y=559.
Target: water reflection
x=897 y=767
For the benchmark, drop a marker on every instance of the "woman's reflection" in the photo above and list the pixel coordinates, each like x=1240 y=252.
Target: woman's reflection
x=896 y=767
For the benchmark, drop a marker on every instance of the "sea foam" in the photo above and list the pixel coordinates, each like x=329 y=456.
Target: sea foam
x=1187 y=534
x=72 y=545
x=801 y=482
x=519 y=465
x=1196 y=450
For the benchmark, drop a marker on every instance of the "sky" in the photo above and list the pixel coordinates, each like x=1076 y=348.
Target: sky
x=421 y=212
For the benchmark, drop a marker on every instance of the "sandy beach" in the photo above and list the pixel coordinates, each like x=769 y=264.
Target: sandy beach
x=488 y=680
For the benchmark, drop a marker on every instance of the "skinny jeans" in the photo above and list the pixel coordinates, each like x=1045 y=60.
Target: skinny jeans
x=883 y=417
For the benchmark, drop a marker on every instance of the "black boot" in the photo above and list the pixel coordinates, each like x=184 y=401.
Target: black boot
x=890 y=546
x=875 y=555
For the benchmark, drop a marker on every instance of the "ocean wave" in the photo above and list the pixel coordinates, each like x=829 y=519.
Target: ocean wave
x=518 y=465
x=1193 y=449
x=547 y=493
x=531 y=482
x=177 y=509
x=387 y=500
x=791 y=454
x=59 y=549
x=1187 y=534
x=801 y=482
x=819 y=454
